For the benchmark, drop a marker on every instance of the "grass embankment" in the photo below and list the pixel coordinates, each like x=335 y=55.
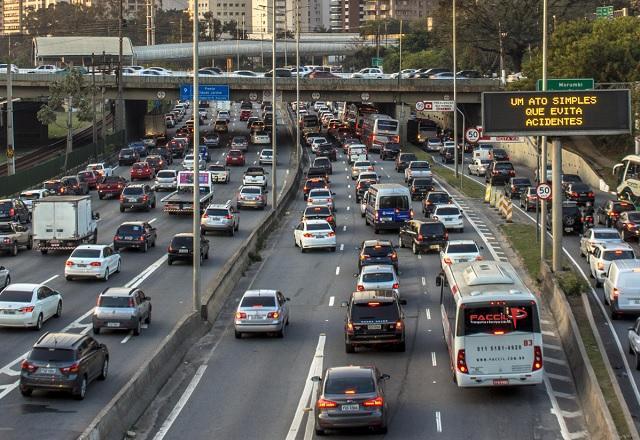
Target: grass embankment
x=466 y=186
x=58 y=128
x=520 y=236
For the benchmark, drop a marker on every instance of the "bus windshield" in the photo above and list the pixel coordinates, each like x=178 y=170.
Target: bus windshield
x=498 y=319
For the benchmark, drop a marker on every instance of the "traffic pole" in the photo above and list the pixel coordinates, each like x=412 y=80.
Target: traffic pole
x=556 y=204
x=196 y=165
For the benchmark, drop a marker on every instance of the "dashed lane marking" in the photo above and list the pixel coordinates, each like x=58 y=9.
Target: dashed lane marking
x=559 y=377
x=342 y=247
x=338 y=270
x=438 y=421
x=331 y=301
x=554 y=361
x=433 y=359
x=428 y=312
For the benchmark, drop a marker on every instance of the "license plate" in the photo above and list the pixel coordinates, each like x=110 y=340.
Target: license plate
x=128 y=237
x=131 y=200
x=501 y=381
x=354 y=407
x=434 y=246
x=568 y=229
x=48 y=370
x=81 y=265
x=386 y=219
x=183 y=251
x=113 y=324
x=374 y=327
x=9 y=312
x=54 y=244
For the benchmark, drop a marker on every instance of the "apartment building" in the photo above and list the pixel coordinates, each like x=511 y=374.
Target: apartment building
x=226 y=10
x=405 y=10
x=346 y=15
x=14 y=12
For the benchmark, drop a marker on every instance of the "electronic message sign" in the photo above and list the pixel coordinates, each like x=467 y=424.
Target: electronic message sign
x=561 y=113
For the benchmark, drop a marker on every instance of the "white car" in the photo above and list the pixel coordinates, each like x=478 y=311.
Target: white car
x=92 y=261
x=478 y=167
x=101 y=168
x=260 y=138
x=314 y=234
x=128 y=71
x=245 y=73
x=378 y=276
x=45 y=68
x=162 y=70
x=459 y=251
x=595 y=236
x=28 y=305
x=363 y=203
x=404 y=73
x=321 y=197
x=224 y=114
x=316 y=142
x=450 y=216
x=14 y=68
x=360 y=166
x=266 y=157
x=302 y=71
x=187 y=162
x=434 y=144
x=602 y=256
x=166 y=180
x=151 y=72
x=369 y=73
x=33 y=194
x=368 y=175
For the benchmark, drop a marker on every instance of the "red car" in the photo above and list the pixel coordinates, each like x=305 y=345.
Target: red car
x=176 y=147
x=235 y=157
x=142 y=171
x=111 y=186
x=245 y=115
x=91 y=177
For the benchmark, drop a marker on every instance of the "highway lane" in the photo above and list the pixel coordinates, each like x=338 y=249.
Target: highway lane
x=37 y=416
x=256 y=388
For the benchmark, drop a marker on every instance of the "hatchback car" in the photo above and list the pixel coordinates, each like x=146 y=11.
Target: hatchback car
x=374 y=318
x=351 y=397
x=262 y=311
x=64 y=362
x=92 y=261
x=360 y=166
x=603 y=254
x=450 y=216
x=28 y=305
x=56 y=187
x=377 y=252
x=157 y=162
x=433 y=199
x=311 y=234
x=137 y=196
x=459 y=251
x=252 y=197
x=235 y=158
x=321 y=197
x=220 y=217
x=90 y=178
x=323 y=162
x=181 y=248
x=142 y=171
x=121 y=308
x=260 y=137
x=166 y=180
x=378 y=277
x=313 y=183
x=266 y=157
x=319 y=213
x=211 y=140
x=187 y=162
x=240 y=143
x=423 y=236
x=111 y=186
x=140 y=235
x=529 y=198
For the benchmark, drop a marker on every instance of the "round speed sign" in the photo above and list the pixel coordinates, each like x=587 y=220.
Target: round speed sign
x=543 y=191
x=472 y=135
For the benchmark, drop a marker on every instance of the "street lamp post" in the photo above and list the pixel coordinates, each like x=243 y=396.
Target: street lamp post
x=298 y=147
x=121 y=122
x=542 y=177
x=196 y=165
x=501 y=36
x=274 y=128
x=455 y=95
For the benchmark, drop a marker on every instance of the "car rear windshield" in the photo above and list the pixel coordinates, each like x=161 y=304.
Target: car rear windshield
x=133 y=191
x=318 y=227
x=317 y=210
x=607 y=235
x=111 y=179
x=86 y=253
x=130 y=230
x=375 y=311
x=379 y=250
x=570 y=211
x=503 y=166
x=315 y=184
x=235 y=153
x=349 y=385
x=379 y=277
x=320 y=193
x=166 y=174
x=85 y=174
x=47 y=185
x=422 y=182
x=126 y=151
x=634 y=216
x=438 y=198
x=251 y=191
x=115 y=301
x=521 y=181
x=43 y=354
x=258 y=301
x=498 y=319
x=621 y=207
x=217 y=212
x=139 y=165
x=320 y=160
x=239 y=140
x=420 y=165
x=408 y=157
x=462 y=248
x=448 y=211
x=9 y=295
x=618 y=255
x=580 y=187
x=182 y=241
x=394 y=202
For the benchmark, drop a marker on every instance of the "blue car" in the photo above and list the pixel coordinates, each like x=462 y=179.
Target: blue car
x=139 y=147
x=204 y=153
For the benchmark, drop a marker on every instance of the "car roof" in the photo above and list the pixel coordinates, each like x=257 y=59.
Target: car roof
x=133 y=223
x=183 y=234
x=377 y=242
x=260 y=292
x=604 y=230
x=615 y=246
x=380 y=295
x=24 y=287
x=92 y=246
x=627 y=265
x=59 y=340
x=118 y=291
x=376 y=268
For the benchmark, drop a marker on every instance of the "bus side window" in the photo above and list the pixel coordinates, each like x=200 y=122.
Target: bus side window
x=633 y=171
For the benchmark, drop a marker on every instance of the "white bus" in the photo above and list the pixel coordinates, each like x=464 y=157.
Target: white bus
x=491 y=325
x=381 y=128
x=628 y=179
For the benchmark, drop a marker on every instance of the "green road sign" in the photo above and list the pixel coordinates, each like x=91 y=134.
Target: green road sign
x=604 y=12
x=560 y=84
x=376 y=62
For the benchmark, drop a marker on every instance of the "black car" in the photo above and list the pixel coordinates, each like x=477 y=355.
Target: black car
x=362 y=185
x=389 y=150
x=280 y=73
x=318 y=172
x=313 y=183
x=374 y=317
x=499 y=172
x=580 y=193
x=568 y=179
x=608 y=213
x=515 y=185
x=403 y=160
x=628 y=224
x=572 y=219
x=432 y=199
x=423 y=236
x=448 y=155
x=328 y=151
x=140 y=235
x=499 y=155
x=14 y=210
x=420 y=187
x=128 y=156
x=323 y=162
x=181 y=248
x=469 y=74
x=319 y=213
x=64 y=362
x=377 y=252
x=137 y=196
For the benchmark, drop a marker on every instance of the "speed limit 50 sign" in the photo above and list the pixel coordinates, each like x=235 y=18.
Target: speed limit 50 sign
x=472 y=135
x=543 y=191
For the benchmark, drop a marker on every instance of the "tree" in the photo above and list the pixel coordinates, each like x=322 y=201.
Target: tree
x=67 y=93
x=210 y=27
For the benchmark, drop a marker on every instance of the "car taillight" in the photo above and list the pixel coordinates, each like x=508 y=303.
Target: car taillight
x=329 y=219
x=141 y=238
x=420 y=237
x=241 y=315
x=73 y=368
x=479 y=258
x=376 y=402
x=68 y=263
x=411 y=214
x=12 y=212
x=205 y=215
x=306 y=188
x=448 y=260
x=512 y=173
x=307 y=235
x=95 y=264
x=324 y=404
x=462 y=362
x=435 y=217
x=145 y=198
x=394 y=256
x=27 y=309
x=495 y=173
x=600 y=265
x=395 y=286
x=446 y=235
x=574 y=194
x=360 y=287
x=631 y=226
x=273 y=315
x=616 y=292
x=537 y=358
x=310 y=200
x=26 y=365
x=121 y=198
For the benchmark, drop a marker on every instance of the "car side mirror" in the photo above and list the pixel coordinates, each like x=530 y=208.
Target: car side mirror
x=384 y=377
x=332 y=193
x=344 y=304
x=403 y=302
x=315 y=379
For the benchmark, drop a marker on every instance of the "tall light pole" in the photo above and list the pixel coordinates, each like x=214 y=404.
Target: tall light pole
x=121 y=122
x=274 y=129
x=542 y=177
x=298 y=147
x=501 y=35
x=196 y=164
x=11 y=152
x=455 y=95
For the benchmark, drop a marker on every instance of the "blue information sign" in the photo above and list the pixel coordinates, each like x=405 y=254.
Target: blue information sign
x=207 y=92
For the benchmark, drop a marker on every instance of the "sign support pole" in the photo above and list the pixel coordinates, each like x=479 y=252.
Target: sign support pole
x=556 y=204
x=455 y=96
x=274 y=127
x=543 y=148
x=195 y=108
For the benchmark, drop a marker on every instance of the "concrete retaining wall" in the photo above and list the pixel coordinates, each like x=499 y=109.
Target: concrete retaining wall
x=595 y=410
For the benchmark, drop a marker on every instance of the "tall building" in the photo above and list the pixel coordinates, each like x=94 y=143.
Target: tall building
x=345 y=15
x=319 y=15
x=405 y=10
x=226 y=11
x=14 y=12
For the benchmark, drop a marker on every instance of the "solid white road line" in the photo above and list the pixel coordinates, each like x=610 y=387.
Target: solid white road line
x=331 y=301
x=438 y=421
x=564 y=431
x=126 y=338
x=153 y=220
x=48 y=280
x=338 y=270
x=315 y=369
x=166 y=426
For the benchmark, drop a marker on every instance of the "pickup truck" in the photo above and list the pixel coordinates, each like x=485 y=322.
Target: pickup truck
x=101 y=168
x=13 y=236
x=255 y=176
x=181 y=200
x=219 y=173
x=417 y=168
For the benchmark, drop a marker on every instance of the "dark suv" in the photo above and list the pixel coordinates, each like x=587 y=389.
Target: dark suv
x=402 y=161
x=499 y=172
x=319 y=213
x=75 y=185
x=389 y=150
x=432 y=199
x=420 y=187
x=328 y=151
x=139 y=235
x=181 y=248
x=128 y=156
x=374 y=317
x=423 y=236
x=64 y=362
x=137 y=196
x=14 y=210
x=377 y=252
x=572 y=219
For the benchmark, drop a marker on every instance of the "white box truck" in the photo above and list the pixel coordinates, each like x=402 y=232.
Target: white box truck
x=63 y=223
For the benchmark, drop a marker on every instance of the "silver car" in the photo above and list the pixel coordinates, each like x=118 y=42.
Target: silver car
x=220 y=217
x=240 y=143
x=251 y=196
x=377 y=277
x=166 y=180
x=262 y=311
x=321 y=197
x=595 y=236
x=360 y=166
x=122 y=308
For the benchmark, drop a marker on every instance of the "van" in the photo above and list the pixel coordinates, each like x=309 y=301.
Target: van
x=388 y=206
x=483 y=152
x=622 y=288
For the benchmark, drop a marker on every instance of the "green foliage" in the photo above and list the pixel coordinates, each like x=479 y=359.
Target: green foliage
x=571 y=283
x=380 y=27
x=69 y=86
